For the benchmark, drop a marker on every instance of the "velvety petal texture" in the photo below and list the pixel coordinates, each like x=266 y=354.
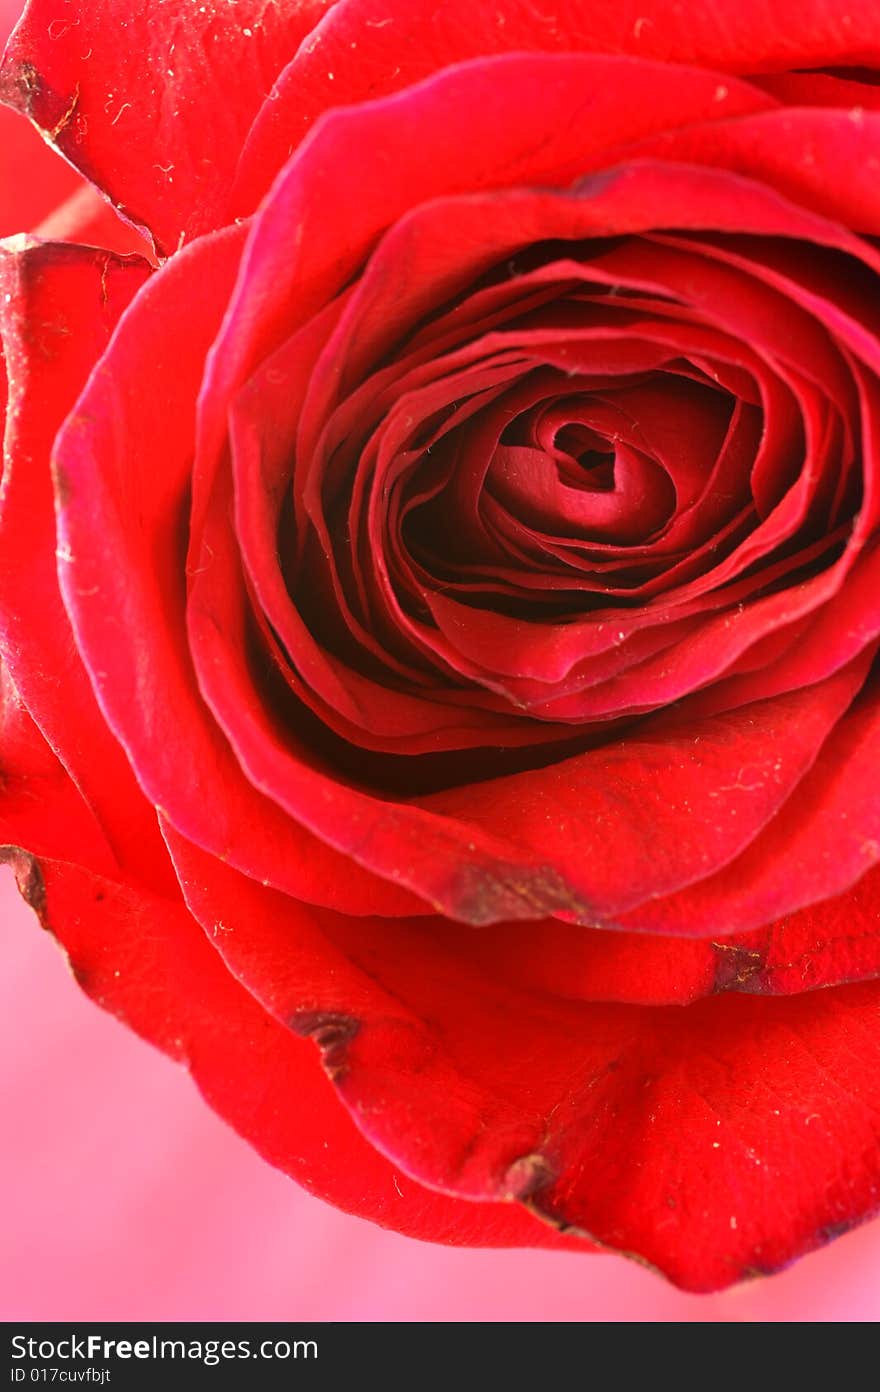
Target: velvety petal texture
x=438 y=598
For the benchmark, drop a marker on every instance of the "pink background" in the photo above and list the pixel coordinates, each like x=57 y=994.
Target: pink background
x=124 y=1197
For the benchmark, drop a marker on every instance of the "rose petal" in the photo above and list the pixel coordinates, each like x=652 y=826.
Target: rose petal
x=457 y=860
x=142 y=957
x=827 y=944
x=715 y=1141
x=824 y=160
x=33 y=180
x=122 y=466
x=40 y=806
x=353 y=56
x=58 y=307
x=89 y=220
x=152 y=102
x=820 y=844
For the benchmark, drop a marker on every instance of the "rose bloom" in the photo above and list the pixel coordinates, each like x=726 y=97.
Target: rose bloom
x=440 y=593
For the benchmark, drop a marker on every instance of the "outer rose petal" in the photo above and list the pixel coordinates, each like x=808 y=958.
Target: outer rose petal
x=713 y=1142
x=40 y=808
x=352 y=57
x=152 y=102
x=827 y=944
x=141 y=956
x=58 y=307
x=32 y=180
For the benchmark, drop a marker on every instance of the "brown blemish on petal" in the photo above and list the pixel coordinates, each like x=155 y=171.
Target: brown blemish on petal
x=737 y=967
x=20 y=87
x=28 y=878
x=493 y=893
x=60 y=483
x=526 y=1176
x=331 y=1032
x=832 y=1231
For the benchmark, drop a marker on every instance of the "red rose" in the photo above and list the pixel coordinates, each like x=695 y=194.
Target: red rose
x=456 y=647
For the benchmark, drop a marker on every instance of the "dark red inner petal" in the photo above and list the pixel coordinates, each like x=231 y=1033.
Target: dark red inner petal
x=580 y=492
